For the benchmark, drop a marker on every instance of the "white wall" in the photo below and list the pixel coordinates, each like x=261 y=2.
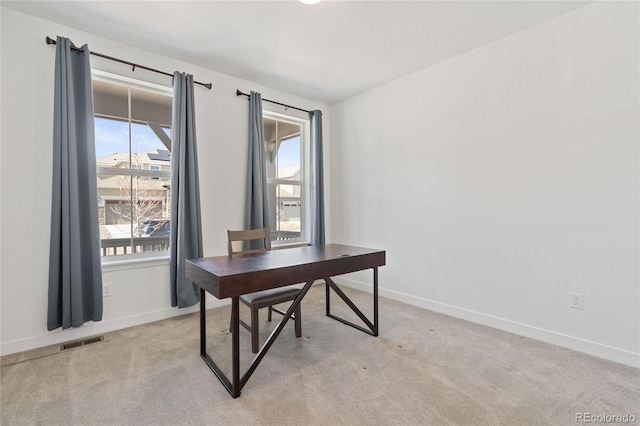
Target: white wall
x=140 y=294
x=505 y=178
x=498 y=181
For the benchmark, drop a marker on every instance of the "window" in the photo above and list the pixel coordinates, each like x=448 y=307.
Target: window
x=133 y=160
x=286 y=142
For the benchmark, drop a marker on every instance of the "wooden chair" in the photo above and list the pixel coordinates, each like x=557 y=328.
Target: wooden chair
x=265 y=298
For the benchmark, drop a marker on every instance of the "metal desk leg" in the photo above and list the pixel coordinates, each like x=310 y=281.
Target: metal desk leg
x=233 y=387
x=372 y=327
x=375 y=301
x=235 y=347
x=203 y=324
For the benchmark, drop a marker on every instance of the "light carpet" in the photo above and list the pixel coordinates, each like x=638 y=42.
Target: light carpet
x=425 y=368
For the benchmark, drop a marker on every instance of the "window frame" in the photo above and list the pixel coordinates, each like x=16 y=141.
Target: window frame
x=305 y=126
x=148 y=256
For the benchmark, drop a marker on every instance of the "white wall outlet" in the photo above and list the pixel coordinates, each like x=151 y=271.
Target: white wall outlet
x=576 y=301
x=107 y=290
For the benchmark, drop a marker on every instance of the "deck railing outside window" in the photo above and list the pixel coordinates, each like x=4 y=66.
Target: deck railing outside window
x=119 y=246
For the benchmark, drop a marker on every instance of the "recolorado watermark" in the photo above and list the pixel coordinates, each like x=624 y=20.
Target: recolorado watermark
x=605 y=418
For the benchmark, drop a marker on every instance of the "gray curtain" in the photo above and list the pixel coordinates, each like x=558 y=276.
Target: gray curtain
x=75 y=271
x=316 y=177
x=257 y=200
x=186 y=225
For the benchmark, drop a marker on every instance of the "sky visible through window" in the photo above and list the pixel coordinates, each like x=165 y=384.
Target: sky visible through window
x=112 y=136
x=289 y=153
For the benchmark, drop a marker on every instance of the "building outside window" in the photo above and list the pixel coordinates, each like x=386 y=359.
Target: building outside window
x=133 y=160
x=286 y=142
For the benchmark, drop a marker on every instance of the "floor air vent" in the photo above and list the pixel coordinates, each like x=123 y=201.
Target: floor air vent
x=83 y=342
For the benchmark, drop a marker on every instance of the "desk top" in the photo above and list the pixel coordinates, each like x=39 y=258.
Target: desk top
x=224 y=277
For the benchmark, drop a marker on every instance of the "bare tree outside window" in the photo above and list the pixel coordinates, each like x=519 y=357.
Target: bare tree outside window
x=145 y=199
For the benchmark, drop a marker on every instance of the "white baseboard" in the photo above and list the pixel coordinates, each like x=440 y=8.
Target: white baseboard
x=571 y=342
x=94 y=328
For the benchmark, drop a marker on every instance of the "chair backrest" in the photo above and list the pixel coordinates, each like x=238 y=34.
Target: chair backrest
x=248 y=235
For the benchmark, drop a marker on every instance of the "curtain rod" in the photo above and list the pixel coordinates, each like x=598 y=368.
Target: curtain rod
x=239 y=93
x=49 y=40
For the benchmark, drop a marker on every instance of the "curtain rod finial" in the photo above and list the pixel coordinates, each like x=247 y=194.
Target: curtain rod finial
x=208 y=86
x=238 y=92
x=49 y=40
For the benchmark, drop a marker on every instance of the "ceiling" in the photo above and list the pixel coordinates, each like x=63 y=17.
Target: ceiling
x=326 y=52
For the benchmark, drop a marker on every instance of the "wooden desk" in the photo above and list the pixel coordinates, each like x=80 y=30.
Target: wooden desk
x=224 y=277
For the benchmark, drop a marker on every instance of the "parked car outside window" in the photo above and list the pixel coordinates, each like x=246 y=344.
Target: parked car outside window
x=156 y=228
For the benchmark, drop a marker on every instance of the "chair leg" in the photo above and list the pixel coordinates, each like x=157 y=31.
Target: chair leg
x=298 y=321
x=255 y=330
x=269 y=314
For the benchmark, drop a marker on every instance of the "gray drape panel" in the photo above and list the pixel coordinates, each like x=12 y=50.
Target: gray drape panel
x=75 y=271
x=316 y=177
x=186 y=225
x=257 y=200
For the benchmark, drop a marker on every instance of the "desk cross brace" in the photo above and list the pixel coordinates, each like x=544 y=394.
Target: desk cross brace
x=373 y=327
x=235 y=385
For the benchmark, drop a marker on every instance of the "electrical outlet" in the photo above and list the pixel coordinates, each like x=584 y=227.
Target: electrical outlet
x=107 y=290
x=575 y=300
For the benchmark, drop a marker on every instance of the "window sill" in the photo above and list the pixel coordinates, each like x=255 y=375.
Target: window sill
x=131 y=262
x=289 y=245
